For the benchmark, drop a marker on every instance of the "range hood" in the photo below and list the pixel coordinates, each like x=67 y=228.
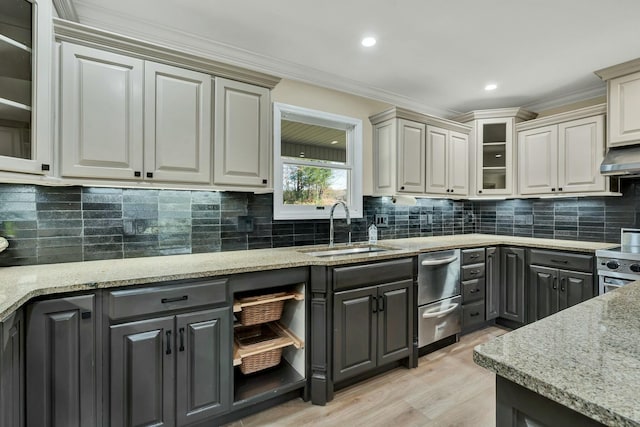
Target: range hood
x=621 y=161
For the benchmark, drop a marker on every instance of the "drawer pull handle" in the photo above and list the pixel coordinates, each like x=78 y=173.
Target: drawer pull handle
x=168 y=342
x=438 y=261
x=181 y=331
x=560 y=261
x=430 y=315
x=381 y=301
x=473 y=291
x=475 y=256
x=176 y=299
x=477 y=313
x=474 y=272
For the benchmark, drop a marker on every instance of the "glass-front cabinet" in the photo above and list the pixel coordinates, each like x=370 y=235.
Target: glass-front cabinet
x=25 y=85
x=495 y=156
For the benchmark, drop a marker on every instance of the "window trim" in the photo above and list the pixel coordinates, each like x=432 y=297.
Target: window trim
x=353 y=164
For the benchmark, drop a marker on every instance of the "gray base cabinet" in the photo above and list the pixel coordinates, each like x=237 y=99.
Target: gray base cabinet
x=372 y=327
x=61 y=362
x=12 y=371
x=171 y=370
x=558 y=280
x=512 y=284
x=492 y=283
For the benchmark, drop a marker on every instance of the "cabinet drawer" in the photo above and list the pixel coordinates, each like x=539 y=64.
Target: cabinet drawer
x=155 y=299
x=472 y=256
x=472 y=314
x=474 y=271
x=473 y=290
x=563 y=260
x=372 y=274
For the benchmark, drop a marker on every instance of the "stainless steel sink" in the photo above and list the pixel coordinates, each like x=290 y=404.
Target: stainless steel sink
x=352 y=250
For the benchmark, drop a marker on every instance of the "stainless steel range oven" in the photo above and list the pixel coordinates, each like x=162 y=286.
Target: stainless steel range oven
x=621 y=265
x=439 y=300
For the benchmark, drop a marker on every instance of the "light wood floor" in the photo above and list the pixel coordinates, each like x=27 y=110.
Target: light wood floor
x=447 y=389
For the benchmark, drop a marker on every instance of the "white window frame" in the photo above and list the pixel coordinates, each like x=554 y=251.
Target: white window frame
x=353 y=165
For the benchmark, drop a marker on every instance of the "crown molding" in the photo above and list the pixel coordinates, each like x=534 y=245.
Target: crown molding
x=580 y=113
x=200 y=46
x=520 y=114
x=559 y=101
x=68 y=31
x=403 y=113
x=619 y=70
x=66 y=10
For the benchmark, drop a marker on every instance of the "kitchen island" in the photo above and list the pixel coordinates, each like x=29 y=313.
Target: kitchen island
x=580 y=366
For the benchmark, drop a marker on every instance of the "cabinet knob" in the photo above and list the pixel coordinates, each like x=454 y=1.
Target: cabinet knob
x=479 y=191
x=137 y=174
x=560 y=189
x=149 y=174
x=264 y=181
x=45 y=167
x=553 y=189
x=402 y=188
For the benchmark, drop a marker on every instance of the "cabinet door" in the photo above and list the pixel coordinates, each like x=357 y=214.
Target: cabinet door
x=492 y=283
x=203 y=374
x=458 y=163
x=543 y=285
x=12 y=371
x=384 y=158
x=142 y=373
x=437 y=160
x=61 y=362
x=411 y=156
x=580 y=153
x=101 y=114
x=495 y=156
x=575 y=287
x=624 y=110
x=538 y=160
x=512 y=284
x=177 y=139
x=355 y=332
x=242 y=147
x=394 y=321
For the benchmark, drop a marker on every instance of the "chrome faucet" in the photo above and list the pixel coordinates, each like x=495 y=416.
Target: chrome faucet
x=346 y=210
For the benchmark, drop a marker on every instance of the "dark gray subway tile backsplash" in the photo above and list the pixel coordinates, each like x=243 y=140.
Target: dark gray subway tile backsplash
x=65 y=224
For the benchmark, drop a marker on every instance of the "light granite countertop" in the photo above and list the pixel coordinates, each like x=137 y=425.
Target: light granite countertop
x=19 y=284
x=586 y=357
x=3 y=244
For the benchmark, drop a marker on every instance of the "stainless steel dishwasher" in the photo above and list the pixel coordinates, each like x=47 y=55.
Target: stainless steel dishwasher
x=439 y=300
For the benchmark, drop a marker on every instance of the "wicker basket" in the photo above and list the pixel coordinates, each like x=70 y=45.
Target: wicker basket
x=262 y=313
x=261 y=361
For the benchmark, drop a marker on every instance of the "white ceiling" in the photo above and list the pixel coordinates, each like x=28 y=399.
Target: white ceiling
x=432 y=56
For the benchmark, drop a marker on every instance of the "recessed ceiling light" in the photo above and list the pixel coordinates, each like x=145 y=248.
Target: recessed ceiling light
x=491 y=86
x=368 y=41
x=334 y=142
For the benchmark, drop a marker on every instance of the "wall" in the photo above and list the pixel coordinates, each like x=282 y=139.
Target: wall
x=331 y=101
x=64 y=224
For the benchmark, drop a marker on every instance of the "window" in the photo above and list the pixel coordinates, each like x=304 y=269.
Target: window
x=317 y=162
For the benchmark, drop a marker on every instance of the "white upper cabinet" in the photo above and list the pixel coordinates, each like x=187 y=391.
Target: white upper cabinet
x=384 y=156
x=447 y=162
x=101 y=115
x=564 y=157
x=580 y=153
x=26 y=86
x=437 y=160
x=495 y=156
x=177 y=140
x=624 y=110
x=458 y=163
x=538 y=160
x=242 y=152
x=411 y=156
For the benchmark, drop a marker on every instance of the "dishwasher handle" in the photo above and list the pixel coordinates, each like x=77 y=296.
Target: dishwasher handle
x=427 y=315
x=439 y=261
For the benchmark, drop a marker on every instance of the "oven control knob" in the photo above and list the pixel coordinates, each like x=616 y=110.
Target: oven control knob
x=613 y=264
x=635 y=268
